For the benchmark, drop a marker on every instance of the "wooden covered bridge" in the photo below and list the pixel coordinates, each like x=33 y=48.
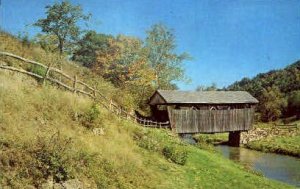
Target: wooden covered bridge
x=205 y=111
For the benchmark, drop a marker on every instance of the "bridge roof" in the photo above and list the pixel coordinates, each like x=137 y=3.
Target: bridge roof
x=201 y=97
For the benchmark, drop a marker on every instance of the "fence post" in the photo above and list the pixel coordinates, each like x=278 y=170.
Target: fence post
x=74 y=84
x=46 y=75
x=94 y=91
x=110 y=104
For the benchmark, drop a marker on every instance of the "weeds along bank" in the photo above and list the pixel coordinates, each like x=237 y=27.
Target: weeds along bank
x=284 y=141
x=46 y=137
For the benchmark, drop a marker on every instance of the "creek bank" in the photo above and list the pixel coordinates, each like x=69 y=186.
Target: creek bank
x=268 y=139
x=274 y=166
x=273 y=140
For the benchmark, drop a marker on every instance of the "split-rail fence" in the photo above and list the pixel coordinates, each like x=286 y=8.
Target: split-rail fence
x=85 y=89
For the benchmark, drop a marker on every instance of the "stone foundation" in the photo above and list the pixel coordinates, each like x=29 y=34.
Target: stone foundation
x=260 y=133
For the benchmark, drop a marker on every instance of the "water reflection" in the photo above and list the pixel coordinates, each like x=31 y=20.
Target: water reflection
x=279 y=167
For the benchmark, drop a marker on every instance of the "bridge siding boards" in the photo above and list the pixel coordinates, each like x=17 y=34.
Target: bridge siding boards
x=211 y=121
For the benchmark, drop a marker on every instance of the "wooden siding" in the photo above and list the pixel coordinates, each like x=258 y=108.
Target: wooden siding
x=211 y=121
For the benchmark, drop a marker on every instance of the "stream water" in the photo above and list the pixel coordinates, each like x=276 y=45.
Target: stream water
x=274 y=166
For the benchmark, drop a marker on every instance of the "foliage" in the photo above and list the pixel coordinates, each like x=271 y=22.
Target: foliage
x=285 y=80
x=160 y=44
x=48 y=42
x=37 y=70
x=61 y=21
x=88 y=47
x=52 y=158
x=272 y=103
x=177 y=154
x=121 y=60
x=89 y=117
x=213 y=87
x=163 y=143
x=294 y=103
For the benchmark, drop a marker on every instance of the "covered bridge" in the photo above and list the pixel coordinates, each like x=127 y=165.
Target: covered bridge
x=204 y=111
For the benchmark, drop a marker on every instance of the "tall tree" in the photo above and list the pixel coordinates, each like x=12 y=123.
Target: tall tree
x=160 y=43
x=88 y=47
x=62 y=21
x=272 y=103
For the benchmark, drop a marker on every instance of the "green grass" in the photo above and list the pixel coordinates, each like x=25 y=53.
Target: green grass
x=216 y=138
x=283 y=144
x=288 y=145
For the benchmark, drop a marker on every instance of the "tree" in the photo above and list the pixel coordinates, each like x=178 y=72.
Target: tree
x=46 y=42
x=212 y=87
x=272 y=104
x=160 y=44
x=61 y=21
x=294 y=103
x=88 y=47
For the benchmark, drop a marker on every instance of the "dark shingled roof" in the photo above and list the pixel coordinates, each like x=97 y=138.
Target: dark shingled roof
x=207 y=97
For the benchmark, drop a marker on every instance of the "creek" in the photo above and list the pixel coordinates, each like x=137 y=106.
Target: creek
x=274 y=166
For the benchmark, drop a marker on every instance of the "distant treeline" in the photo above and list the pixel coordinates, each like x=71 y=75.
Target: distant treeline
x=278 y=92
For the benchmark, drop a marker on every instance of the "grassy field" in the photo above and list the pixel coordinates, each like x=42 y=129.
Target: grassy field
x=215 y=138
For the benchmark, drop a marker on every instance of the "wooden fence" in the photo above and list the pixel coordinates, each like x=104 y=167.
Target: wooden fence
x=211 y=121
x=79 y=87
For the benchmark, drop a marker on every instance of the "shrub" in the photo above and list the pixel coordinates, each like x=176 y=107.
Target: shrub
x=160 y=141
x=177 y=154
x=52 y=158
x=89 y=117
x=37 y=70
x=43 y=159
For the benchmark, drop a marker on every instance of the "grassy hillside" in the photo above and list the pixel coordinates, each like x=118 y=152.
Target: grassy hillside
x=44 y=136
x=47 y=136
x=34 y=52
x=287 y=80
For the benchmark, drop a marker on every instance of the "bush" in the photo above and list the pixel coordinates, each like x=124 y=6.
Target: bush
x=159 y=141
x=34 y=163
x=37 y=70
x=89 y=117
x=52 y=158
x=177 y=154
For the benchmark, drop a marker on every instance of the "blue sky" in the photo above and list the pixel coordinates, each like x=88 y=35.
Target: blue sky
x=228 y=39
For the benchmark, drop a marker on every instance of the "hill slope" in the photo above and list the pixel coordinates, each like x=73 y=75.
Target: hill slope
x=278 y=92
x=287 y=80
x=50 y=136
x=44 y=136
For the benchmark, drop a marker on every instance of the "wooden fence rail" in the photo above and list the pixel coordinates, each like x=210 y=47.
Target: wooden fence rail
x=92 y=93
